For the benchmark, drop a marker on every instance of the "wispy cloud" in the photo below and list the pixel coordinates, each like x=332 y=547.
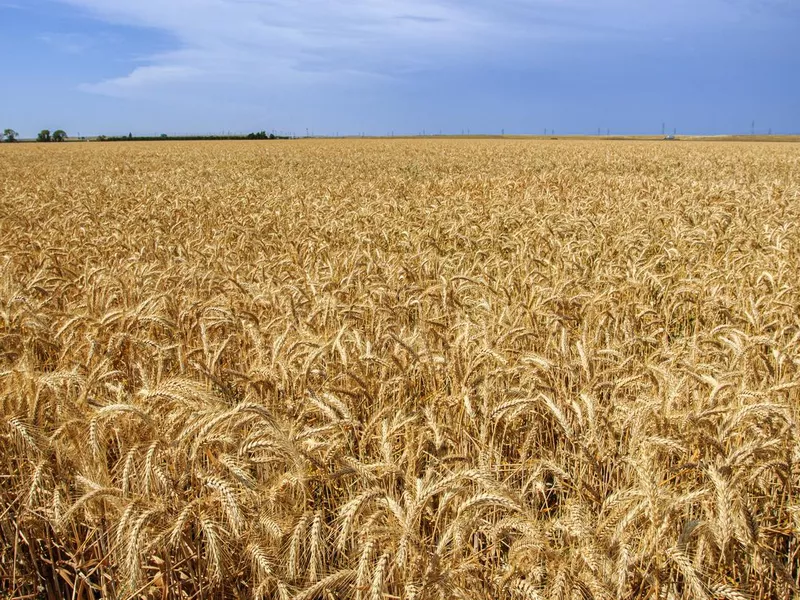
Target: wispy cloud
x=420 y=19
x=155 y=76
x=279 y=40
x=289 y=42
x=69 y=43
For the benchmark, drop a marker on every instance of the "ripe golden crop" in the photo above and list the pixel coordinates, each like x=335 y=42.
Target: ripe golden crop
x=391 y=369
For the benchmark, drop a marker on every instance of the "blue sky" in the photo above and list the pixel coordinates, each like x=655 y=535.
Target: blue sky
x=376 y=66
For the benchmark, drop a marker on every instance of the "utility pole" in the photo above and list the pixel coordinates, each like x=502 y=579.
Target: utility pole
x=662 y=128
x=753 y=128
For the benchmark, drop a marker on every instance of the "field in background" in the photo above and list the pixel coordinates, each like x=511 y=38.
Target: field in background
x=382 y=369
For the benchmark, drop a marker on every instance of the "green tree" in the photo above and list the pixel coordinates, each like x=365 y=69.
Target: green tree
x=10 y=135
x=44 y=136
x=59 y=135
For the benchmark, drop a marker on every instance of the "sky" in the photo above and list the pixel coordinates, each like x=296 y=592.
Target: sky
x=373 y=67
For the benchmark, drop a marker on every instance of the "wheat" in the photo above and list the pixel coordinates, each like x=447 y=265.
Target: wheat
x=378 y=578
x=400 y=369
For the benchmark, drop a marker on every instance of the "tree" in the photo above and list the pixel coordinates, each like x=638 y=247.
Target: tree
x=59 y=135
x=10 y=135
x=44 y=136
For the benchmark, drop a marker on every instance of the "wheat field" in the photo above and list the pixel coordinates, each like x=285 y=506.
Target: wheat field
x=400 y=369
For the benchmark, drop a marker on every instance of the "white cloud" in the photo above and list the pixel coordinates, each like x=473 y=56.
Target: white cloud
x=250 y=40
x=149 y=76
x=69 y=43
x=291 y=42
x=62 y=43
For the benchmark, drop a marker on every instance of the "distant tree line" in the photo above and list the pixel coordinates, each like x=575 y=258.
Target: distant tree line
x=258 y=135
x=59 y=135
